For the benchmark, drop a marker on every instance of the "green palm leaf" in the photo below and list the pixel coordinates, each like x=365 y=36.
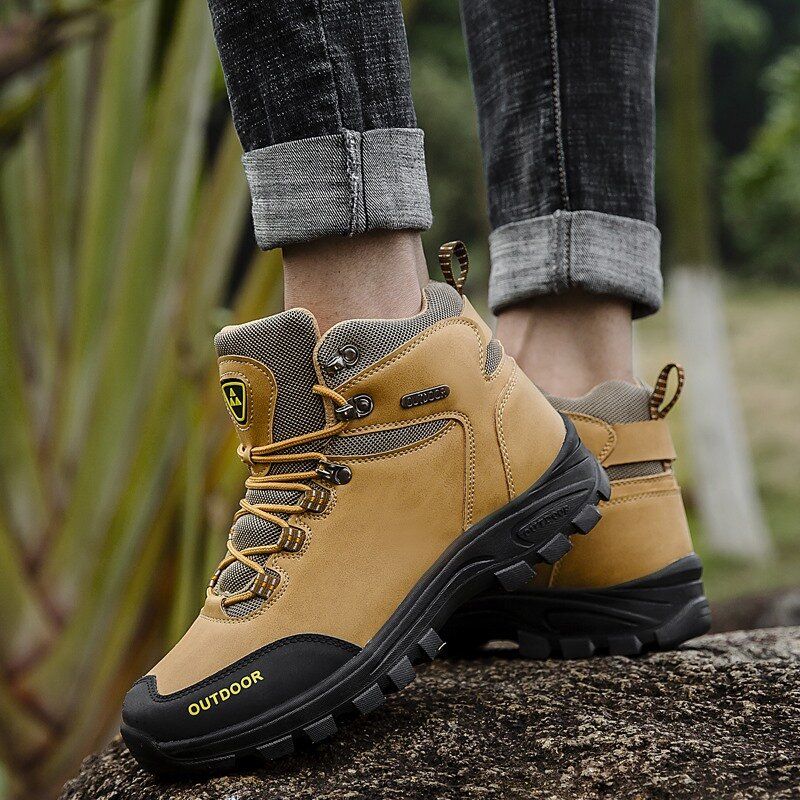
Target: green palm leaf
x=119 y=232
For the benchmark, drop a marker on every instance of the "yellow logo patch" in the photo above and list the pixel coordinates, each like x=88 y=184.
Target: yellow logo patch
x=235 y=392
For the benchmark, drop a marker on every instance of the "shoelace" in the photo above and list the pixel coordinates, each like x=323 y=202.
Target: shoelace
x=290 y=538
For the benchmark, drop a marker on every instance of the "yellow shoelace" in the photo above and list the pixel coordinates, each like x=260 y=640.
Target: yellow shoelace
x=289 y=481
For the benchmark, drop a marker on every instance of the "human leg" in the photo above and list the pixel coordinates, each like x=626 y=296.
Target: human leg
x=321 y=100
x=564 y=90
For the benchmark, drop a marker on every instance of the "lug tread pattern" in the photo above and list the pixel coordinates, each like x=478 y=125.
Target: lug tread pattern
x=431 y=643
x=399 y=676
x=321 y=729
x=370 y=700
x=515 y=576
x=577 y=647
x=402 y=673
x=624 y=645
x=532 y=646
x=555 y=549
x=586 y=519
x=692 y=620
x=280 y=747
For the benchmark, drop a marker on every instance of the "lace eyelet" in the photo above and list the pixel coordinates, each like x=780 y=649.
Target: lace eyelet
x=292 y=539
x=265 y=584
x=335 y=473
x=347 y=356
x=359 y=407
x=315 y=498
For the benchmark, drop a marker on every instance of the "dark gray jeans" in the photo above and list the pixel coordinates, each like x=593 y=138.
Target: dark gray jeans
x=321 y=99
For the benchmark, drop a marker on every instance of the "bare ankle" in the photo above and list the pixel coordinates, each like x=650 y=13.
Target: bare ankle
x=569 y=343
x=373 y=275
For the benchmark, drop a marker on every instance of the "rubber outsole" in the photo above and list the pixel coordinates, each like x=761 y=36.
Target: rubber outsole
x=657 y=612
x=501 y=550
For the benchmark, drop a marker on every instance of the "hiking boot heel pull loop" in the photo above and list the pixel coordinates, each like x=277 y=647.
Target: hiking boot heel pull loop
x=458 y=250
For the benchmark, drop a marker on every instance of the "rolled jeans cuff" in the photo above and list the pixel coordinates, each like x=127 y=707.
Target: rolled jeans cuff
x=345 y=183
x=600 y=253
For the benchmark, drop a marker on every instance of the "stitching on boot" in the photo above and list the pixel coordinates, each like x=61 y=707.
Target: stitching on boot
x=499 y=413
x=611 y=436
x=644 y=479
x=655 y=493
x=414 y=343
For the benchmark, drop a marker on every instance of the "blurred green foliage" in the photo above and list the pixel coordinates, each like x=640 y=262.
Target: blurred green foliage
x=446 y=111
x=762 y=198
x=120 y=227
x=755 y=104
x=763 y=335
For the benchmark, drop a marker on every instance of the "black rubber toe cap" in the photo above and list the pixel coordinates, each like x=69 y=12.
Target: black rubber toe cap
x=247 y=689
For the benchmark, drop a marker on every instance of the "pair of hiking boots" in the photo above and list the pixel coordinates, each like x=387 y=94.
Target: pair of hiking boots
x=406 y=482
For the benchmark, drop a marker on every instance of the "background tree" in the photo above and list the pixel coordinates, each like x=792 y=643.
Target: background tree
x=724 y=481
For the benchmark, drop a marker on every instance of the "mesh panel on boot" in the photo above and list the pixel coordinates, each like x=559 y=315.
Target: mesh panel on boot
x=615 y=402
x=285 y=344
x=383 y=441
x=244 y=607
x=494 y=354
x=376 y=338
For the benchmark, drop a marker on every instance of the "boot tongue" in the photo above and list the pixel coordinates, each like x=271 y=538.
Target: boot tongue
x=267 y=375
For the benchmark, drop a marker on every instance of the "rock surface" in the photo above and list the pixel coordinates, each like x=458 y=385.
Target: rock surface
x=719 y=718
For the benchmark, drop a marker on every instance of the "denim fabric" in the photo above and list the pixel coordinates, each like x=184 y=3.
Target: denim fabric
x=345 y=183
x=564 y=90
x=307 y=68
x=320 y=94
x=601 y=253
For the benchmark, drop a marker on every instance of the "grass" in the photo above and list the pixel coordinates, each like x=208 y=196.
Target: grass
x=764 y=328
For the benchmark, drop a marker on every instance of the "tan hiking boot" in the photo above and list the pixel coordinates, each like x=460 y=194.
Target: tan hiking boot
x=397 y=468
x=634 y=584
